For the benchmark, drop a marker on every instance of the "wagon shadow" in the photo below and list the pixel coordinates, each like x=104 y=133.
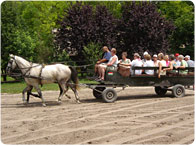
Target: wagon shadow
x=30 y=105
x=133 y=97
x=148 y=96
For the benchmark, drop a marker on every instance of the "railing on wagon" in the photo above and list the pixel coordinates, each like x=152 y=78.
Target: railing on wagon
x=190 y=69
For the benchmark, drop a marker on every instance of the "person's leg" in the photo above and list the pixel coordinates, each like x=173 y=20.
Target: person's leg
x=96 y=69
x=103 y=72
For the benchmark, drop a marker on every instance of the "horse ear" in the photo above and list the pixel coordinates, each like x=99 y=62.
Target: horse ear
x=11 y=55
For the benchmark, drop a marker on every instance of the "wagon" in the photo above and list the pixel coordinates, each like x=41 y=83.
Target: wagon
x=175 y=83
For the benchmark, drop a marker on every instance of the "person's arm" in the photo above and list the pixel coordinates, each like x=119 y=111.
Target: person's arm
x=160 y=68
x=169 y=68
x=112 y=61
x=127 y=64
x=102 y=60
x=182 y=65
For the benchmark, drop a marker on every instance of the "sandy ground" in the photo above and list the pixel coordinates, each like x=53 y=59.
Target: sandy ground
x=137 y=117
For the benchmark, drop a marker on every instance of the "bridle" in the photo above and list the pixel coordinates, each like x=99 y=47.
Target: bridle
x=17 y=66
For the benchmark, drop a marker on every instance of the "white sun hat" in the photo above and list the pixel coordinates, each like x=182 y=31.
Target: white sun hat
x=155 y=55
x=145 y=53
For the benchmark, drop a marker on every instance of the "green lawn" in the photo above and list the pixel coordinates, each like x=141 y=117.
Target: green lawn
x=8 y=78
x=18 y=87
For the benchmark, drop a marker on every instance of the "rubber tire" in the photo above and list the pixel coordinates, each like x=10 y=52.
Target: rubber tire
x=97 y=94
x=178 y=91
x=109 y=95
x=160 y=91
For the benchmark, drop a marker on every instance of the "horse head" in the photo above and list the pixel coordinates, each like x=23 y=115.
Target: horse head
x=11 y=64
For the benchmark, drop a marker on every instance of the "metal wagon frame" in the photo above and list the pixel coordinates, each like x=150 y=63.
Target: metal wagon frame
x=106 y=89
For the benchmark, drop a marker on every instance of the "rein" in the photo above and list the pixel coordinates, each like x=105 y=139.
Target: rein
x=28 y=70
x=42 y=66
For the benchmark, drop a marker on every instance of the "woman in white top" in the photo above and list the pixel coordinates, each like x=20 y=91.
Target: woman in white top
x=136 y=62
x=162 y=63
x=149 y=63
x=113 y=62
x=155 y=60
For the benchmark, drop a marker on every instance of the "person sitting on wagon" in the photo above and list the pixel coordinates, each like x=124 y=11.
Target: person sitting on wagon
x=172 y=64
x=148 y=63
x=162 y=63
x=155 y=60
x=124 y=65
x=136 y=62
x=104 y=60
x=177 y=60
x=166 y=58
x=182 y=65
x=190 y=62
x=113 y=62
x=125 y=62
x=145 y=54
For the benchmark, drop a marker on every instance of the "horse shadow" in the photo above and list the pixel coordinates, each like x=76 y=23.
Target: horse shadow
x=30 y=105
x=93 y=100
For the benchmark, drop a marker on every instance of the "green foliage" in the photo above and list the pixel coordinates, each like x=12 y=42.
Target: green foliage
x=93 y=52
x=182 y=15
x=27 y=27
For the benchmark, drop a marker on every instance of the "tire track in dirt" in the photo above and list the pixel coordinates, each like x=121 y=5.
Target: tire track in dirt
x=137 y=127
x=92 y=126
x=131 y=138
x=93 y=116
x=186 y=140
x=97 y=109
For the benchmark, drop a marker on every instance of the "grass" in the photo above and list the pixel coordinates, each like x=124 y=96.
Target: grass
x=8 y=78
x=18 y=87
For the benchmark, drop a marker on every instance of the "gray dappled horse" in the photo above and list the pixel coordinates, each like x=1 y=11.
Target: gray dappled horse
x=36 y=74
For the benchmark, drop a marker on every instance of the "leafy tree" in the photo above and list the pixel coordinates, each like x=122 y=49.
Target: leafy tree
x=93 y=52
x=143 y=29
x=15 y=37
x=81 y=26
x=182 y=15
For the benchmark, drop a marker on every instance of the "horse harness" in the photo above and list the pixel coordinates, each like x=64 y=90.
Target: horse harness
x=28 y=71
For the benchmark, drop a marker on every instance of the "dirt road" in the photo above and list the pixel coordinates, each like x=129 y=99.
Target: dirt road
x=137 y=117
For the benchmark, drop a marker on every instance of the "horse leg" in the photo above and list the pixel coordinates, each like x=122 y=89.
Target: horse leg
x=67 y=88
x=61 y=90
x=40 y=94
x=64 y=90
x=28 y=93
x=76 y=93
x=23 y=94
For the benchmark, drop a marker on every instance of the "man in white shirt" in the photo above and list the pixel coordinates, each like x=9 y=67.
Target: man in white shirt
x=136 y=62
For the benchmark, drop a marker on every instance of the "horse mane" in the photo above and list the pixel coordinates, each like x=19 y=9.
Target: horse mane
x=23 y=61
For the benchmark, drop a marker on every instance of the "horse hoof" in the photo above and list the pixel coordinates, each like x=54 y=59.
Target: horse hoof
x=44 y=105
x=78 y=101
x=59 y=100
x=25 y=103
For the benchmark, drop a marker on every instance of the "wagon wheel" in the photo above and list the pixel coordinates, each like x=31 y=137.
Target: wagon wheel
x=98 y=95
x=160 y=91
x=178 y=90
x=109 y=95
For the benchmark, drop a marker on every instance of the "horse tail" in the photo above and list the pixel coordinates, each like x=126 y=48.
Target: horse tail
x=74 y=77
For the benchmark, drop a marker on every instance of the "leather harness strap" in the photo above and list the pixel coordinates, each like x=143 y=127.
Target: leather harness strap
x=40 y=73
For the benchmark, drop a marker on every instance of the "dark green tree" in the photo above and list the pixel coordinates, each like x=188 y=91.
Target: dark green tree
x=142 y=28
x=181 y=13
